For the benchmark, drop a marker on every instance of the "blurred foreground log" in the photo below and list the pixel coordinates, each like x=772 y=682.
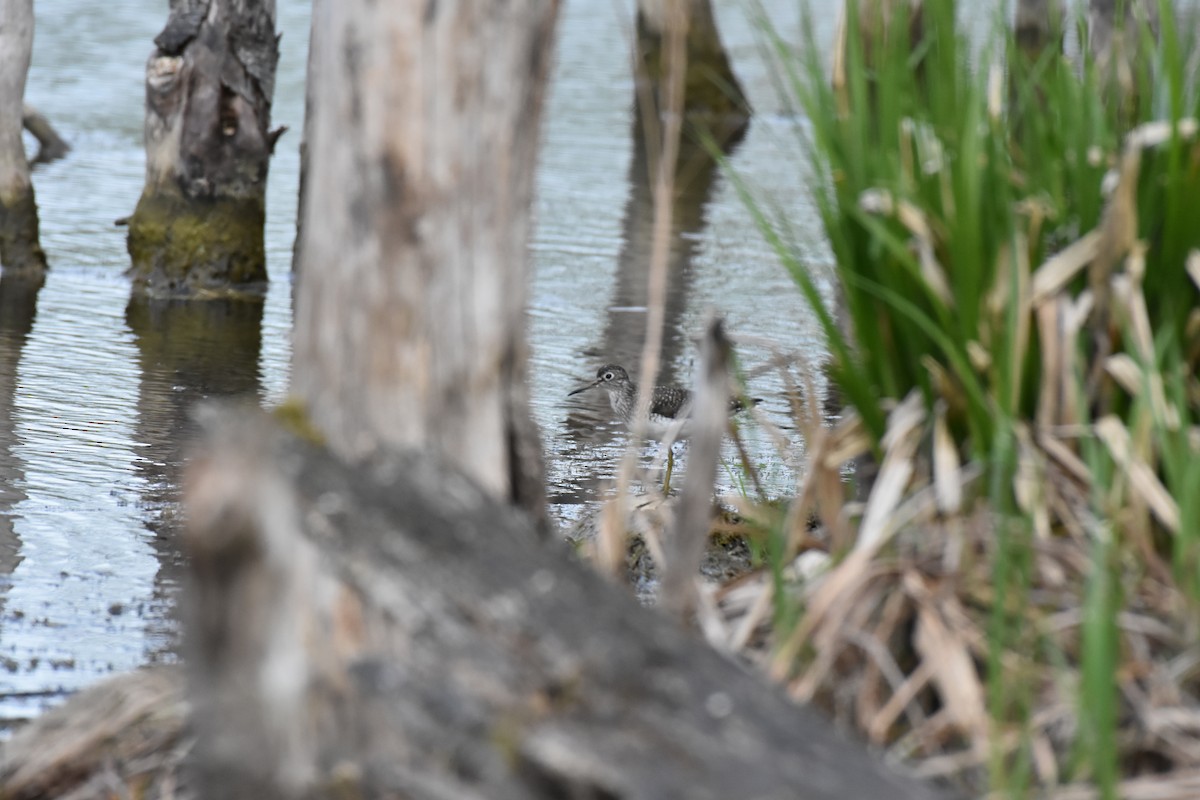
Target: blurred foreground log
x=391 y=630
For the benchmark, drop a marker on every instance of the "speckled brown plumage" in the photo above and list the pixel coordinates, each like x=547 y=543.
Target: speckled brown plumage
x=667 y=403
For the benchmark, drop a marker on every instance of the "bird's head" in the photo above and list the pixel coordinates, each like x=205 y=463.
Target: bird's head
x=612 y=377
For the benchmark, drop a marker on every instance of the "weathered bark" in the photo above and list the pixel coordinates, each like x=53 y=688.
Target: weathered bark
x=713 y=99
x=51 y=146
x=390 y=629
x=198 y=226
x=20 y=252
x=413 y=276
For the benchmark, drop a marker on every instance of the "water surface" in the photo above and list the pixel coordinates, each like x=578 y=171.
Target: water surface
x=95 y=390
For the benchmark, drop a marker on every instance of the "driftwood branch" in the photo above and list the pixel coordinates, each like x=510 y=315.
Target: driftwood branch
x=709 y=418
x=198 y=226
x=51 y=146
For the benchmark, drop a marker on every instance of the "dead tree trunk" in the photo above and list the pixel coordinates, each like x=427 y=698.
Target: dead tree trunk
x=413 y=268
x=198 y=226
x=20 y=252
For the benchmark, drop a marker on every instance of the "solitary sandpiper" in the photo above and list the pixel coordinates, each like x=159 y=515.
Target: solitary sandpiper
x=669 y=406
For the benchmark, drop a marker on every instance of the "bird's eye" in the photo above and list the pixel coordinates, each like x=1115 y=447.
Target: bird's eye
x=608 y=376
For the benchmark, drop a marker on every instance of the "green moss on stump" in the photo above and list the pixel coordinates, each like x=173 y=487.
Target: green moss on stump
x=292 y=413
x=20 y=252
x=204 y=246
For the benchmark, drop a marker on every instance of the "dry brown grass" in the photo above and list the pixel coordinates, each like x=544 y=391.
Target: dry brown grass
x=896 y=594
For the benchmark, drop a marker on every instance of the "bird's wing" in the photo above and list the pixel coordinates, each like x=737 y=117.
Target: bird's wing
x=669 y=401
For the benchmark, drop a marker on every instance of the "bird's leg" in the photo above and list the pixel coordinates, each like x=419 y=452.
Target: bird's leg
x=670 y=466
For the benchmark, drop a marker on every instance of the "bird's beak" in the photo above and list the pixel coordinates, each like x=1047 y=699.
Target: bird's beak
x=591 y=385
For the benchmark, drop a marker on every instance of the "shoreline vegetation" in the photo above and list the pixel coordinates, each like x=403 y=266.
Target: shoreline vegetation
x=1012 y=606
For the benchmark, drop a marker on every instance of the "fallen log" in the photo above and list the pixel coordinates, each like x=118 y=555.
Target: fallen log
x=124 y=732
x=388 y=629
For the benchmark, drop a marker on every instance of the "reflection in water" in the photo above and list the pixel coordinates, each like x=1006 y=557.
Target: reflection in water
x=625 y=327
x=626 y=317
x=97 y=419
x=18 y=306
x=189 y=351
x=695 y=170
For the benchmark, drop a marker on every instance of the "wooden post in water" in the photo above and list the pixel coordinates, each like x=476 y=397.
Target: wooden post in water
x=20 y=252
x=389 y=629
x=413 y=272
x=198 y=226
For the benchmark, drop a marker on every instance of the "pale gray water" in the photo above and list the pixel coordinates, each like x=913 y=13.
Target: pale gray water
x=94 y=391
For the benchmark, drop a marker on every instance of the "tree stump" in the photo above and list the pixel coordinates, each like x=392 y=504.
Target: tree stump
x=198 y=227
x=413 y=274
x=20 y=252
